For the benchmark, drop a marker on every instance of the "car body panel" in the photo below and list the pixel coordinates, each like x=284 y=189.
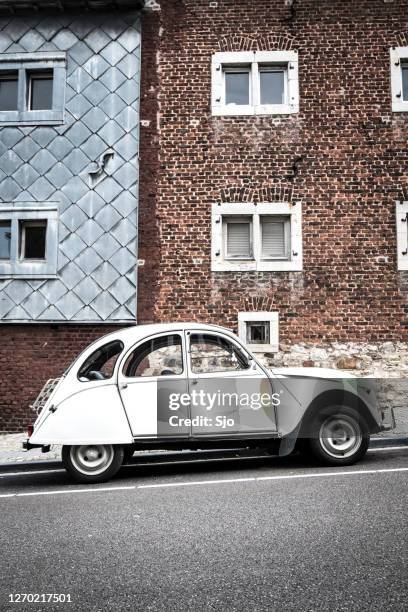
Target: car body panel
x=120 y=410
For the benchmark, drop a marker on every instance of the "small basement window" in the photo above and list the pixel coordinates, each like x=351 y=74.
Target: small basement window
x=259 y=330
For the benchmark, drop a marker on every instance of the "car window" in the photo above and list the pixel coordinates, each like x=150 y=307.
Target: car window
x=210 y=353
x=101 y=363
x=161 y=356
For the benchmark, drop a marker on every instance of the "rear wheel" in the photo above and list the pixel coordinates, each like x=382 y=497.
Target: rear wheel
x=338 y=436
x=92 y=462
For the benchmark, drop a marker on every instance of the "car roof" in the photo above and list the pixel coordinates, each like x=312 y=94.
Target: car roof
x=133 y=334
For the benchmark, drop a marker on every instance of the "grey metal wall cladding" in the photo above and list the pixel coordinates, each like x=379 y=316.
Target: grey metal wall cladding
x=96 y=194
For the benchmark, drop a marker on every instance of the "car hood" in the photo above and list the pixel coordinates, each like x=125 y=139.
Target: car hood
x=327 y=373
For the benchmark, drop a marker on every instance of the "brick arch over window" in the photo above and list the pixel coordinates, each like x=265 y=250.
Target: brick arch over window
x=280 y=192
x=401 y=40
x=259 y=303
x=269 y=42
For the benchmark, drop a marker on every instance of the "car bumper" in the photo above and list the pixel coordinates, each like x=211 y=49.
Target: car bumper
x=45 y=448
x=388 y=421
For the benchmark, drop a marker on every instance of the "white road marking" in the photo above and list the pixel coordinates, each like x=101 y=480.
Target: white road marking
x=207 y=482
x=261 y=478
x=387 y=448
x=68 y=491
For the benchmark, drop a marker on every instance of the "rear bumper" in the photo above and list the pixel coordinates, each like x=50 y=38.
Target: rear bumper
x=45 y=448
x=388 y=421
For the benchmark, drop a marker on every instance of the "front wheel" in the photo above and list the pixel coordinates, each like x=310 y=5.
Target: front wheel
x=92 y=462
x=338 y=436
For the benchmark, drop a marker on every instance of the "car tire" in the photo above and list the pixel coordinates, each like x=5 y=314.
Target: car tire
x=92 y=463
x=338 y=436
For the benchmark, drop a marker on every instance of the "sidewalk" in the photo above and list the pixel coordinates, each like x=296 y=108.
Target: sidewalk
x=11 y=451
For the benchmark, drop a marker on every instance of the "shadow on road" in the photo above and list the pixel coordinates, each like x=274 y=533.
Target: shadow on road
x=197 y=464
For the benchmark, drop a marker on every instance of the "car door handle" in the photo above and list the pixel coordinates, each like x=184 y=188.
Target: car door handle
x=194 y=382
x=124 y=386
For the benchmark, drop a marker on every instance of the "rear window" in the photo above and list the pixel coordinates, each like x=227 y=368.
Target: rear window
x=100 y=364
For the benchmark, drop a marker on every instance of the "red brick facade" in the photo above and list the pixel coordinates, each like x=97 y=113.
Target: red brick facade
x=29 y=356
x=344 y=155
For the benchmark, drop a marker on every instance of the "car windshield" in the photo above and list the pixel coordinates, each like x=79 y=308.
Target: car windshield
x=101 y=363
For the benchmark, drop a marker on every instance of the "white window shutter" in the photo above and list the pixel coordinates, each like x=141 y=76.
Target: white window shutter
x=273 y=239
x=238 y=240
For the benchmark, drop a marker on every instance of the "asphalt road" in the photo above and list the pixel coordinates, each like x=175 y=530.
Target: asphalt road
x=244 y=534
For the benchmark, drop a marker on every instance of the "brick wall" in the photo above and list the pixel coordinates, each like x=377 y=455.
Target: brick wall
x=29 y=356
x=353 y=166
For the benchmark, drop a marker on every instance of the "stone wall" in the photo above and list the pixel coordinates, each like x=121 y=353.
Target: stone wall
x=386 y=361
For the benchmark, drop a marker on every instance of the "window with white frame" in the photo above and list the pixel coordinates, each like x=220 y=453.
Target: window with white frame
x=401 y=215
x=28 y=240
x=262 y=237
x=259 y=330
x=32 y=88
x=399 y=78
x=255 y=83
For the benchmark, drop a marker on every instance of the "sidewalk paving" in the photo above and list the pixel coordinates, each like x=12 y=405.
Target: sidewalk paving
x=11 y=451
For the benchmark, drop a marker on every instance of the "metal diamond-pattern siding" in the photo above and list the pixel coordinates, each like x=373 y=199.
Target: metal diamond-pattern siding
x=97 y=257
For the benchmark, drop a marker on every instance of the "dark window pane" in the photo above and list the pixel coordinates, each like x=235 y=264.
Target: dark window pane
x=237 y=88
x=405 y=82
x=258 y=332
x=272 y=86
x=5 y=239
x=33 y=237
x=214 y=354
x=41 y=85
x=8 y=91
x=157 y=357
x=101 y=363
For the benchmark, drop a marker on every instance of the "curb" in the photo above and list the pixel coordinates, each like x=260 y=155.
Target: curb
x=26 y=466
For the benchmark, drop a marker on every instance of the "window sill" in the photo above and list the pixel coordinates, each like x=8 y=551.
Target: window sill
x=260 y=266
x=263 y=348
x=243 y=111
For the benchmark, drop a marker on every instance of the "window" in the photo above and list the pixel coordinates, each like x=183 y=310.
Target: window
x=259 y=330
x=8 y=91
x=100 y=365
x=263 y=237
x=401 y=214
x=32 y=88
x=238 y=238
x=255 y=83
x=32 y=239
x=40 y=86
x=28 y=240
x=156 y=357
x=5 y=239
x=209 y=354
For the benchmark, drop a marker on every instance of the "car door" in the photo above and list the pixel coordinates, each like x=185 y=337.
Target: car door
x=225 y=388
x=152 y=376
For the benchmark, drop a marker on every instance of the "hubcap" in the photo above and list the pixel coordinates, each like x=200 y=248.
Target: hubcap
x=340 y=436
x=92 y=459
